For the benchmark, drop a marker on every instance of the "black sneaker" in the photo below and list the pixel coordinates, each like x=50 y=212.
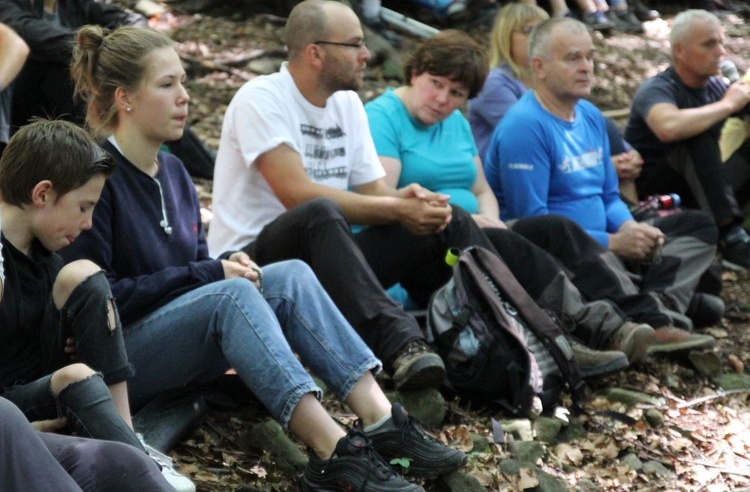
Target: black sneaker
x=354 y=466
x=402 y=438
x=705 y=309
x=735 y=251
x=418 y=367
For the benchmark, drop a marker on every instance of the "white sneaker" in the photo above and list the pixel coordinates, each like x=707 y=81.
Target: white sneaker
x=179 y=482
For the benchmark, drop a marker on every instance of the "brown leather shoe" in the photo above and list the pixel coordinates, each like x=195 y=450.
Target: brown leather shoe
x=671 y=339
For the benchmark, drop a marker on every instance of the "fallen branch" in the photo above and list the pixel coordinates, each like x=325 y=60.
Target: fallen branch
x=214 y=66
x=703 y=399
x=248 y=57
x=723 y=469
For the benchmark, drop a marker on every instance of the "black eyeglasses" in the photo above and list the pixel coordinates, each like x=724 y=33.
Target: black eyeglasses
x=357 y=46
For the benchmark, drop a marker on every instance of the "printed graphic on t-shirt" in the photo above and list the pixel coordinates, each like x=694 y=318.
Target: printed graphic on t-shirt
x=325 y=153
x=576 y=163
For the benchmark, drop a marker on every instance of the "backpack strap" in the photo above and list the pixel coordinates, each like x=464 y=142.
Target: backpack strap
x=459 y=322
x=536 y=319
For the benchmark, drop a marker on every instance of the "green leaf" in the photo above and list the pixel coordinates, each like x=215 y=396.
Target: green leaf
x=402 y=462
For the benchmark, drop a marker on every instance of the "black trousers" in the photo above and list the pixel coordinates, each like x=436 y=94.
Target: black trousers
x=695 y=171
x=355 y=268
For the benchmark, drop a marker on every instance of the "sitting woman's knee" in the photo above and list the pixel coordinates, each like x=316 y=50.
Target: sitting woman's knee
x=70 y=277
x=69 y=374
x=298 y=269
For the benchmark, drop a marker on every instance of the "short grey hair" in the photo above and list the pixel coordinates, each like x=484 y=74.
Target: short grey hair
x=683 y=23
x=540 y=41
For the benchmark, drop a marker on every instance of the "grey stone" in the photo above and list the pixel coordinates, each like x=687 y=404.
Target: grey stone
x=574 y=430
x=528 y=451
x=631 y=461
x=549 y=483
x=706 y=363
x=628 y=397
x=654 y=418
x=393 y=68
x=512 y=466
x=672 y=381
x=520 y=429
x=586 y=485
x=480 y=444
x=428 y=405
x=656 y=468
x=270 y=436
x=547 y=429
x=733 y=381
x=462 y=482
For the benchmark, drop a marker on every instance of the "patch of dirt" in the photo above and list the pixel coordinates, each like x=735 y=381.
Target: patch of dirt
x=704 y=442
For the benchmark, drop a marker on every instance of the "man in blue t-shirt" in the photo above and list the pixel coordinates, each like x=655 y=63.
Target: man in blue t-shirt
x=675 y=124
x=550 y=155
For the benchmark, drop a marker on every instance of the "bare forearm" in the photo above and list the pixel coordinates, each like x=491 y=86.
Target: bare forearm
x=366 y=209
x=691 y=122
x=13 y=53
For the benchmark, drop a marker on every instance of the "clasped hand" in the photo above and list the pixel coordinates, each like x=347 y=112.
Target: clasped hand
x=422 y=211
x=239 y=265
x=637 y=241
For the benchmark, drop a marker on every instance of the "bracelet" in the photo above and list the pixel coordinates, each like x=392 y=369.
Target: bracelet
x=260 y=279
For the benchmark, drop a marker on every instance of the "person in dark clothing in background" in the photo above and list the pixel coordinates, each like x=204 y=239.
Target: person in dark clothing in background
x=44 y=87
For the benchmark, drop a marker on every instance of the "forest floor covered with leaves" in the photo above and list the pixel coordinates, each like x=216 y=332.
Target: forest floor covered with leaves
x=691 y=434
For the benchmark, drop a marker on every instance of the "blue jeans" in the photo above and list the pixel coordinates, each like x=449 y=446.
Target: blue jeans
x=199 y=335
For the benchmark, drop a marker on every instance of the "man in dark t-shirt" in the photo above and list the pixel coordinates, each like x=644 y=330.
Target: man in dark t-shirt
x=675 y=124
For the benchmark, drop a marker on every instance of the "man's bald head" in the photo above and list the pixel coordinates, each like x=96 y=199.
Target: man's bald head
x=308 y=22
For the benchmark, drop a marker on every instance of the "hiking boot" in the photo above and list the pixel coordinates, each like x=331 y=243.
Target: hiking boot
x=417 y=367
x=597 y=362
x=597 y=21
x=735 y=251
x=671 y=339
x=355 y=465
x=633 y=339
x=179 y=482
x=402 y=438
x=642 y=12
x=626 y=21
x=705 y=309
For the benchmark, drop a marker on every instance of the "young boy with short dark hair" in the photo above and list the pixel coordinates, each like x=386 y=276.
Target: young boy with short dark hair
x=51 y=176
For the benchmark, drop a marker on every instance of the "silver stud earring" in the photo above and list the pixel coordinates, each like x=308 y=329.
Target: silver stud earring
x=128 y=109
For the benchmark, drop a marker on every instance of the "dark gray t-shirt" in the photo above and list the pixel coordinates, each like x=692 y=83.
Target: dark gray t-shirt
x=667 y=88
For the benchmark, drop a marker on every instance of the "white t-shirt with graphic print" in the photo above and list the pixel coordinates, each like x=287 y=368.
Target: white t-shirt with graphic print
x=334 y=143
